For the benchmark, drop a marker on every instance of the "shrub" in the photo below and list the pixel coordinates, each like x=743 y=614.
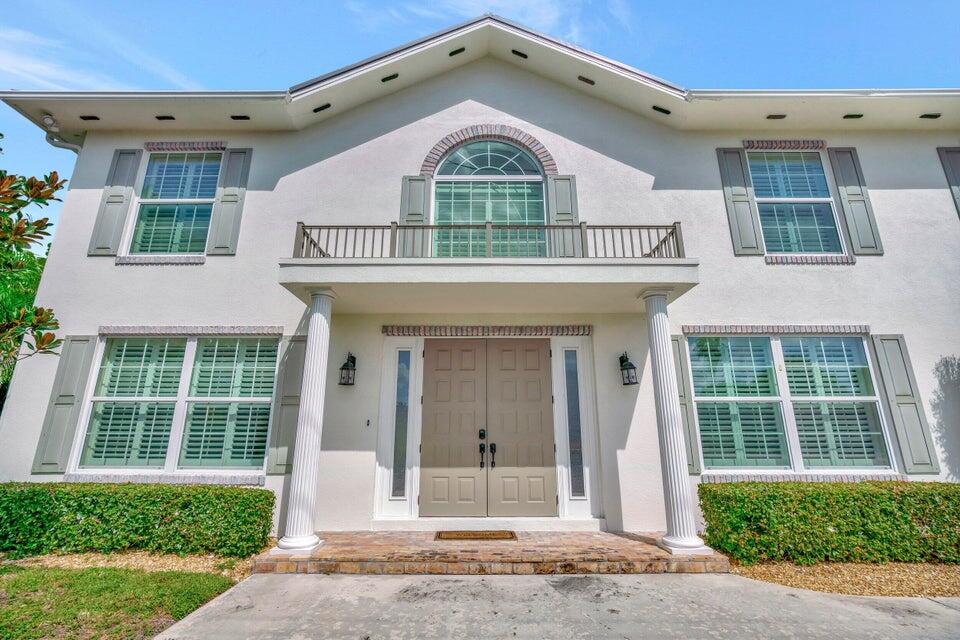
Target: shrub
x=806 y=522
x=40 y=518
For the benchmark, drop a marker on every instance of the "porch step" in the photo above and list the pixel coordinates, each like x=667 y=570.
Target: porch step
x=414 y=552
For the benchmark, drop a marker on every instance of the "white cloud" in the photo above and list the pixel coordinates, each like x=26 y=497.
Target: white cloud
x=578 y=21
x=31 y=61
x=98 y=36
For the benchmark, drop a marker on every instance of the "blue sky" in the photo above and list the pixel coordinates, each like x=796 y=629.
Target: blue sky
x=58 y=45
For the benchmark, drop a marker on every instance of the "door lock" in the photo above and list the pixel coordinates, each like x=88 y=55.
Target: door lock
x=493 y=454
x=483 y=434
x=483 y=450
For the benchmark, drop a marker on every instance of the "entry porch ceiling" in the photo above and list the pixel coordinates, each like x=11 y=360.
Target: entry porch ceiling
x=402 y=285
x=383 y=74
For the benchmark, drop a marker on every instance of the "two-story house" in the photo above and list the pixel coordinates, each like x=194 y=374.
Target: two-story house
x=490 y=279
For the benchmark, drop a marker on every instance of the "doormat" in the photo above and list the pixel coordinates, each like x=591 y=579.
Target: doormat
x=476 y=535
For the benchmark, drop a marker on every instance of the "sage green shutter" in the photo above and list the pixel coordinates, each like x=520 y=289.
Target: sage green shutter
x=286 y=408
x=741 y=206
x=66 y=400
x=690 y=436
x=562 y=209
x=950 y=157
x=415 y=200
x=115 y=202
x=909 y=420
x=228 y=208
x=854 y=202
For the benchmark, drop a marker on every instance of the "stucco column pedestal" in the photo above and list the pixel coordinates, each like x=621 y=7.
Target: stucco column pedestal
x=681 y=536
x=301 y=508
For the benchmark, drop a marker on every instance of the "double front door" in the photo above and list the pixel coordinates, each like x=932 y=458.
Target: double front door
x=487 y=444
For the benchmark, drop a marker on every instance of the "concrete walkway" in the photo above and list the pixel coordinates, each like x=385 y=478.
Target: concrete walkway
x=554 y=607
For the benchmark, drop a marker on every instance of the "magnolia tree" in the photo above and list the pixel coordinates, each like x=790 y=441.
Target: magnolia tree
x=22 y=323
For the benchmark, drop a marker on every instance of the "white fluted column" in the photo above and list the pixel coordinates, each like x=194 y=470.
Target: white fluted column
x=302 y=502
x=681 y=536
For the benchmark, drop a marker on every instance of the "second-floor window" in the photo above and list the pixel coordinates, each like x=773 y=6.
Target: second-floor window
x=176 y=203
x=793 y=199
x=489 y=181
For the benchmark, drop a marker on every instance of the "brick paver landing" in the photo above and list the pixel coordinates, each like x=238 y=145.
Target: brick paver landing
x=417 y=552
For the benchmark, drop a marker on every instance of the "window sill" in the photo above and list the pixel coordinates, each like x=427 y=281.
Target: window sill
x=711 y=477
x=815 y=259
x=226 y=477
x=160 y=259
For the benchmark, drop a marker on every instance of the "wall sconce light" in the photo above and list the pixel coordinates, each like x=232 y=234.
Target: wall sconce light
x=348 y=372
x=628 y=370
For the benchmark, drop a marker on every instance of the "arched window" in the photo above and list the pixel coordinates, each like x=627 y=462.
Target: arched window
x=489 y=181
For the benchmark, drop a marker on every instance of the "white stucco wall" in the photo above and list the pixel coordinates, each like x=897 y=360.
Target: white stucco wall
x=630 y=170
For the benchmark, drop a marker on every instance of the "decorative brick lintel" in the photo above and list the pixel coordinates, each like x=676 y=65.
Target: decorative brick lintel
x=443 y=331
x=775 y=329
x=775 y=259
x=239 y=480
x=153 y=260
x=186 y=145
x=784 y=144
x=189 y=330
x=488 y=132
x=715 y=478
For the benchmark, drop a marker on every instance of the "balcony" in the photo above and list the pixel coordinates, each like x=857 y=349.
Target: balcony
x=488 y=268
x=489 y=240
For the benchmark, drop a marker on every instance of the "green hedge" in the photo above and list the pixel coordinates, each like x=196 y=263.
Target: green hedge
x=40 y=518
x=806 y=522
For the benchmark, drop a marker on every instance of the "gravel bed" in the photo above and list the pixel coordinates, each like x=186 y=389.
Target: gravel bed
x=893 y=579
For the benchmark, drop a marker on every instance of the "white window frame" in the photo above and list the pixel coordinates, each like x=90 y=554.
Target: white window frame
x=830 y=200
x=178 y=428
x=785 y=399
x=437 y=178
x=389 y=507
x=126 y=243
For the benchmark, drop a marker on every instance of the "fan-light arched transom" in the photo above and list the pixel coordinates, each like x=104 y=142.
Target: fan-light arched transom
x=495 y=182
x=489 y=158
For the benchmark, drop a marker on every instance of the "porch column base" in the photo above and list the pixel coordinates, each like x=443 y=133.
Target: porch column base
x=684 y=546
x=299 y=543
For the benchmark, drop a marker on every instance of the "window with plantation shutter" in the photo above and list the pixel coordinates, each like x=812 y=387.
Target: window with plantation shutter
x=733 y=384
x=841 y=427
x=144 y=399
x=176 y=203
x=134 y=402
x=794 y=202
x=235 y=377
x=825 y=401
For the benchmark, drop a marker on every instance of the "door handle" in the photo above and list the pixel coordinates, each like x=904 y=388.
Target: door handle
x=483 y=450
x=493 y=454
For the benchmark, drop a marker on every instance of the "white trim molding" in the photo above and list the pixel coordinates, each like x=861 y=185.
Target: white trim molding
x=775 y=329
x=189 y=330
x=483 y=331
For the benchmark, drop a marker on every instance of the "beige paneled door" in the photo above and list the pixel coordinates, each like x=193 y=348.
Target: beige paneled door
x=500 y=386
x=452 y=482
x=522 y=480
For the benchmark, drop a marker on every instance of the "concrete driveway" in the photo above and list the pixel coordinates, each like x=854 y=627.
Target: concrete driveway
x=554 y=607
